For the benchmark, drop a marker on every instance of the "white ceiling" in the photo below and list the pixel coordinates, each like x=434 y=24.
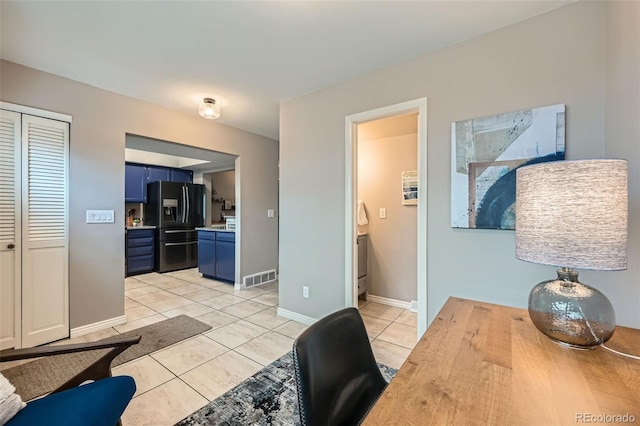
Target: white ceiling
x=140 y=149
x=248 y=55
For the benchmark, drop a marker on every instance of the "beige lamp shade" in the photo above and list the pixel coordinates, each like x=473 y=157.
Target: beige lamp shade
x=573 y=214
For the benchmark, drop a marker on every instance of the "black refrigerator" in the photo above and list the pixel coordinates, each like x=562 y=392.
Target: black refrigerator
x=175 y=209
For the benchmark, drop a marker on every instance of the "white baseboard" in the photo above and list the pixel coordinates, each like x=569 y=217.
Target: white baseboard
x=296 y=316
x=391 y=302
x=414 y=306
x=96 y=326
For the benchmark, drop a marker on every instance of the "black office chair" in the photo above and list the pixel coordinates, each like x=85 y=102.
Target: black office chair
x=337 y=377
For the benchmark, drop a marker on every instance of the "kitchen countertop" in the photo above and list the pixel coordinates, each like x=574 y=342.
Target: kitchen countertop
x=216 y=229
x=130 y=228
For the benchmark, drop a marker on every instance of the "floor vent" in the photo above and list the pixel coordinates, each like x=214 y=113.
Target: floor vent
x=259 y=278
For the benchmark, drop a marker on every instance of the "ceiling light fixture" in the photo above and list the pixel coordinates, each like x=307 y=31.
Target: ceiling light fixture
x=208 y=109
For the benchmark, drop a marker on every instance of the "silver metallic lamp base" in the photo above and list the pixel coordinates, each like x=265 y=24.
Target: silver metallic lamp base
x=571 y=313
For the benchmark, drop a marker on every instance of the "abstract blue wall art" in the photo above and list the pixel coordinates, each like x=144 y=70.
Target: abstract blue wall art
x=485 y=153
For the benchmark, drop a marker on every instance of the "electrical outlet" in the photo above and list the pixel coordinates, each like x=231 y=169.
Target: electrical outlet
x=305 y=292
x=271 y=213
x=383 y=213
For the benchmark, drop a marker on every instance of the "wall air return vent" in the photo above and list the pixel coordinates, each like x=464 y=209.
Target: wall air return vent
x=259 y=278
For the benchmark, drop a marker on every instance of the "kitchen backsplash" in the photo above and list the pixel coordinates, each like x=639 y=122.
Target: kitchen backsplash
x=138 y=211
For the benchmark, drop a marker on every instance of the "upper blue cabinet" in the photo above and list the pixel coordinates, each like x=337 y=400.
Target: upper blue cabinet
x=156 y=173
x=136 y=177
x=135 y=183
x=181 y=175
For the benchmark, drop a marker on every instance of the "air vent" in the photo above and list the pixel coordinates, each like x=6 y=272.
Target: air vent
x=259 y=278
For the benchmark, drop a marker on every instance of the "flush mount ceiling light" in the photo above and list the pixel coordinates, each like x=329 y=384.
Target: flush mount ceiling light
x=208 y=109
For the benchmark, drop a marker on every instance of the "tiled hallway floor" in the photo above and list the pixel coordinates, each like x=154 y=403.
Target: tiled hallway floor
x=246 y=335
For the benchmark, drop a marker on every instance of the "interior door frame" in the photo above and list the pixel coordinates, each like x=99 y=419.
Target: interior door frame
x=25 y=337
x=351 y=155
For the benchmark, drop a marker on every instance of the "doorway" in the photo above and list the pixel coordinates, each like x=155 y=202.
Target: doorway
x=419 y=107
x=204 y=164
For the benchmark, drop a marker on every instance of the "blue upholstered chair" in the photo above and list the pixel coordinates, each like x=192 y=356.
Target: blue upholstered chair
x=98 y=403
x=101 y=402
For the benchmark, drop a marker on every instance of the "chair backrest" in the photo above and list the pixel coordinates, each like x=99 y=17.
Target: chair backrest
x=337 y=377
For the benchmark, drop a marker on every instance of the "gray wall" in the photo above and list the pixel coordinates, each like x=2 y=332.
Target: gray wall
x=558 y=57
x=225 y=185
x=100 y=121
x=393 y=241
x=622 y=140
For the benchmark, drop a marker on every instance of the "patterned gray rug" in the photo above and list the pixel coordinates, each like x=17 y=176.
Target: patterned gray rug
x=43 y=375
x=267 y=398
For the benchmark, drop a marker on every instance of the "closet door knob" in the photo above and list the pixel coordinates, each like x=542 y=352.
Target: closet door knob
x=11 y=246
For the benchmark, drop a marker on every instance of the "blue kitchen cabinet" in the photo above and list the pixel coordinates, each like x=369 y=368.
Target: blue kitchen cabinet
x=135 y=183
x=216 y=255
x=156 y=173
x=136 y=177
x=181 y=175
x=226 y=256
x=139 y=251
x=207 y=253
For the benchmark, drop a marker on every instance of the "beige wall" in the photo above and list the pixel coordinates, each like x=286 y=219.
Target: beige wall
x=392 y=249
x=622 y=140
x=100 y=121
x=558 y=57
x=225 y=185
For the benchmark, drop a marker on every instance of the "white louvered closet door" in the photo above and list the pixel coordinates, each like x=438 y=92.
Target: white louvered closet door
x=10 y=247
x=45 y=288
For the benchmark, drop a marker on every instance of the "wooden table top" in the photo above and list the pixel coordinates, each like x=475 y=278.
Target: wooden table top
x=485 y=364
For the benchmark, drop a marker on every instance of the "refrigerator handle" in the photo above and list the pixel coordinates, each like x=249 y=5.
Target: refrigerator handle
x=184 y=207
x=187 y=218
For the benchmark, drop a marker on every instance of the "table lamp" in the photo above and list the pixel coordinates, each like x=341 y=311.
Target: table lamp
x=572 y=214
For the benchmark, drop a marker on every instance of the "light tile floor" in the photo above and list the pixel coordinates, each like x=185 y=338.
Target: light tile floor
x=246 y=335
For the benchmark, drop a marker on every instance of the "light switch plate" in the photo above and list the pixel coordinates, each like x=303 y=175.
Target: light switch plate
x=271 y=213
x=100 y=216
x=383 y=213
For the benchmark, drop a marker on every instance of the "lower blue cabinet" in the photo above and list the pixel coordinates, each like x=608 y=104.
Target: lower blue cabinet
x=217 y=255
x=207 y=253
x=139 y=251
x=225 y=257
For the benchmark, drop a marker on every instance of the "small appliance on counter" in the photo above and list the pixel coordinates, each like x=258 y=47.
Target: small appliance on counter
x=175 y=209
x=230 y=224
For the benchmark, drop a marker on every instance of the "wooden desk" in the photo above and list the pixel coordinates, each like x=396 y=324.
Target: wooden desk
x=484 y=364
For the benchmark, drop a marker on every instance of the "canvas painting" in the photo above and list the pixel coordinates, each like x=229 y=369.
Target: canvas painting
x=410 y=188
x=485 y=153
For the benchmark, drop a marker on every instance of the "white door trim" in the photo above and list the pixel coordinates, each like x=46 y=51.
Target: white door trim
x=35 y=112
x=351 y=122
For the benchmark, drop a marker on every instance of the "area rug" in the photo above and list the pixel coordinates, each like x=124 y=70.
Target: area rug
x=269 y=397
x=46 y=374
